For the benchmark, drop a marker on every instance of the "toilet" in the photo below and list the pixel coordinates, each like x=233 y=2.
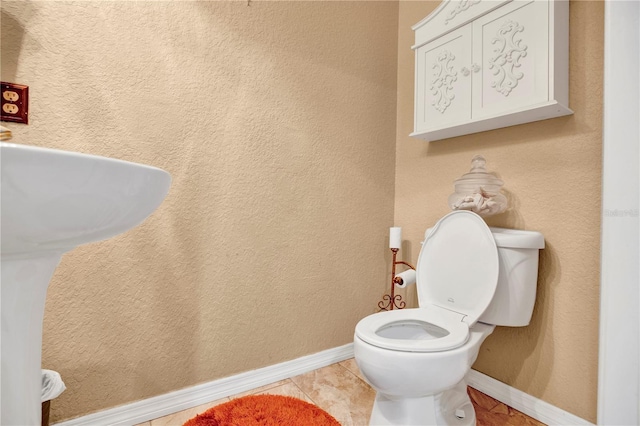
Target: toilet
x=470 y=278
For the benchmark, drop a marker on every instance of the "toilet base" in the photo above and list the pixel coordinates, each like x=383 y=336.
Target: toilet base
x=450 y=408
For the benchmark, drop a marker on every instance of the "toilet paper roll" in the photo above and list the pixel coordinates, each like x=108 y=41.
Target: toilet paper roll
x=405 y=278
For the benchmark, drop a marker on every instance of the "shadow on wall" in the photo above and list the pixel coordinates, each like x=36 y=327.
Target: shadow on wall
x=539 y=366
x=535 y=377
x=11 y=45
x=551 y=129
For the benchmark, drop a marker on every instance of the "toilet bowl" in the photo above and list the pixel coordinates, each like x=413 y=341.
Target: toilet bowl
x=416 y=359
x=414 y=388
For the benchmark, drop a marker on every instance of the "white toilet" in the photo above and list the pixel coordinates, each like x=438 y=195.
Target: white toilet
x=470 y=278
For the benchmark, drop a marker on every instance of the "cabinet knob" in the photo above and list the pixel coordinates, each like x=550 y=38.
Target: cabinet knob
x=465 y=71
x=475 y=67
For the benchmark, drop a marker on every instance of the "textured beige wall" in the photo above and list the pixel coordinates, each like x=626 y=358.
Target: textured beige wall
x=277 y=123
x=552 y=173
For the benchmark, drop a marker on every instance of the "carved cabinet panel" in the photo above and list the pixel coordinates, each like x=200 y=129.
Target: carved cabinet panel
x=445 y=91
x=483 y=64
x=512 y=50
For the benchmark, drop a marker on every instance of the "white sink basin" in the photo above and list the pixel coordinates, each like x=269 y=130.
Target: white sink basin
x=51 y=202
x=57 y=200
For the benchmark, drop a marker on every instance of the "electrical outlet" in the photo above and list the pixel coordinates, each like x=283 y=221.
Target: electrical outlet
x=15 y=103
x=10 y=108
x=10 y=95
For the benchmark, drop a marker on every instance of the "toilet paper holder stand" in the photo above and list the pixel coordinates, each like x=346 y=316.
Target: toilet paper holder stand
x=392 y=300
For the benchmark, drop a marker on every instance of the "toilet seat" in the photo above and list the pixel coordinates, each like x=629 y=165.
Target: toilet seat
x=433 y=320
x=456 y=278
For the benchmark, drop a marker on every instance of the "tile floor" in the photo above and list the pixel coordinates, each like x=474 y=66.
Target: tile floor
x=340 y=390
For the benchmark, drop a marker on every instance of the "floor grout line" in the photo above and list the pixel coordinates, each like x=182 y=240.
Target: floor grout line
x=304 y=393
x=354 y=374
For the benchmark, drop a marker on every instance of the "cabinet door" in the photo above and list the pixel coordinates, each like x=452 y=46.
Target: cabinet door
x=443 y=81
x=511 y=58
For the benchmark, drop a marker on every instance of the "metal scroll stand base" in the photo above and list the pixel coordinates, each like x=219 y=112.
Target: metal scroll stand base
x=392 y=300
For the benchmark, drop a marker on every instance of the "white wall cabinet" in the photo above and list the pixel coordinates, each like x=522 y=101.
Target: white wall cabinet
x=486 y=64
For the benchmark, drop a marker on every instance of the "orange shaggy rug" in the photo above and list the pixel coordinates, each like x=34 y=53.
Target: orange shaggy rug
x=264 y=410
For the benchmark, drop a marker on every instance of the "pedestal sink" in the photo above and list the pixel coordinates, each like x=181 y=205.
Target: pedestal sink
x=51 y=202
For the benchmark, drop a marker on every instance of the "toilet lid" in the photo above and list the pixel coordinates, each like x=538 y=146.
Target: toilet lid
x=458 y=266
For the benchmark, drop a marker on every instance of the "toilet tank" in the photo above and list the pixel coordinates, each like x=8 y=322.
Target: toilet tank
x=518 y=253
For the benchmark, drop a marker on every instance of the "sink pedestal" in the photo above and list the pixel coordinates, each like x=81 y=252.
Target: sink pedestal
x=24 y=288
x=52 y=202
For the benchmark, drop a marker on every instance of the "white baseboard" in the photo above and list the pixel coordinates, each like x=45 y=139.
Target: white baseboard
x=523 y=402
x=162 y=405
